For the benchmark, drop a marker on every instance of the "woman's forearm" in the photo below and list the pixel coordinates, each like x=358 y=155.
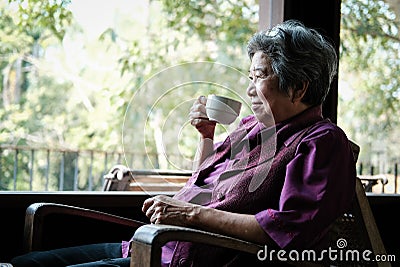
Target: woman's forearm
x=242 y=226
x=167 y=210
x=204 y=150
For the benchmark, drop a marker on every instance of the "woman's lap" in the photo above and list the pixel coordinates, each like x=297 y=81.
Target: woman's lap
x=120 y=262
x=105 y=254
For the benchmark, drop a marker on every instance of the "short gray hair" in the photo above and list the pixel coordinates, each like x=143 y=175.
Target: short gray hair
x=298 y=54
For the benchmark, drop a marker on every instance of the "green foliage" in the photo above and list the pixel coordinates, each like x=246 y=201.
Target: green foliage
x=119 y=90
x=37 y=18
x=230 y=22
x=177 y=38
x=370 y=64
x=27 y=27
x=78 y=90
x=368 y=27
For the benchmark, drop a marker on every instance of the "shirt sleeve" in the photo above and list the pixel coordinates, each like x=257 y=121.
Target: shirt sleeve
x=318 y=187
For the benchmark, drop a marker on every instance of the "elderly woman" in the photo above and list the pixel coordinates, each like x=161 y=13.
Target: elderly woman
x=282 y=177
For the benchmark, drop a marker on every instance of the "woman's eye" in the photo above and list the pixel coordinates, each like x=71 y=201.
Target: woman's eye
x=257 y=77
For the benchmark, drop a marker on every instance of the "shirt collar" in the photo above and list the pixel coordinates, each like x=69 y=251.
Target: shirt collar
x=288 y=130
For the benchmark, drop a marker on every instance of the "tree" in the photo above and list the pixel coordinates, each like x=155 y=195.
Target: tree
x=370 y=64
x=87 y=105
x=395 y=7
x=185 y=33
x=26 y=26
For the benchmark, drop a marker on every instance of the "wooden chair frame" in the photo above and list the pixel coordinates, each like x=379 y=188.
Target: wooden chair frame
x=149 y=238
x=37 y=213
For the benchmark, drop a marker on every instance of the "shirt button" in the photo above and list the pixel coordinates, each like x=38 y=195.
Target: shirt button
x=220 y=196
x=183 y=262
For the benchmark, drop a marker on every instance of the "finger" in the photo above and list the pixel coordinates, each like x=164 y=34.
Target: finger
x=198 y=111
x=156 y=216
x=202 y=99
x=202 y=109
x=151 y=210
x=147 y=204
x=194 y=122
x=198 y=107
x=197 y=115
x=157 y=204
x=200 y=122
x=197 y=102
x=153 y=218
x=196 y=118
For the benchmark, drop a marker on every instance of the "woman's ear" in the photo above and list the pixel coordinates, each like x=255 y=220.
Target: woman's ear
x=299 y=92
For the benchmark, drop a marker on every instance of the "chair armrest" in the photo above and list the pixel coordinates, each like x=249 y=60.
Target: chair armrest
x=37 y=214
x=148 y=240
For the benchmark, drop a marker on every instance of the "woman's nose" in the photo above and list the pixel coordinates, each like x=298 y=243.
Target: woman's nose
x=251 y=89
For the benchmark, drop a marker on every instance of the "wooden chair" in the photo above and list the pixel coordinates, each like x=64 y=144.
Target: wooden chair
x=357 y=227
x=121 y=178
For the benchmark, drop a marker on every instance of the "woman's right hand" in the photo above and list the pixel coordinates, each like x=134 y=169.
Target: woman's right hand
x=198 y=118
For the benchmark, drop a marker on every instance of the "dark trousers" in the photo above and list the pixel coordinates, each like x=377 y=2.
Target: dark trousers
x=107 y=254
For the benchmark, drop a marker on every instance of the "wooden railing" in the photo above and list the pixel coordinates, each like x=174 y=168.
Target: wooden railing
x=47 y=169
x=379 y=180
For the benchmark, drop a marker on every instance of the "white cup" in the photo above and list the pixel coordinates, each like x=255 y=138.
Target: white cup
x=222 y=109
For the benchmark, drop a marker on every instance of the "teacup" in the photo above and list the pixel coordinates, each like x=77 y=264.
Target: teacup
x=222 y=109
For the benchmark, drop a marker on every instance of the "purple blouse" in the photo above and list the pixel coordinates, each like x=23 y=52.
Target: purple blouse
x=307 y=179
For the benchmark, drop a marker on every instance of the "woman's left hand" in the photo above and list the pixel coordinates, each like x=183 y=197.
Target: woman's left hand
x=166 y=210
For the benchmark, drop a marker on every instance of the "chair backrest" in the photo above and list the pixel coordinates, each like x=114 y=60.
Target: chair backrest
x=356 y=230
x=117 y=179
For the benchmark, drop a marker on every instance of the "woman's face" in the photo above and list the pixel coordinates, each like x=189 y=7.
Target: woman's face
x=268 y=103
